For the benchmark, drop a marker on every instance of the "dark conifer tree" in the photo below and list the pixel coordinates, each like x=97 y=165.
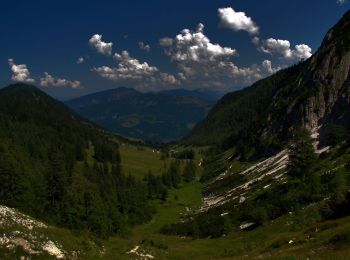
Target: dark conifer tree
x=189 y=173
x=304 y=182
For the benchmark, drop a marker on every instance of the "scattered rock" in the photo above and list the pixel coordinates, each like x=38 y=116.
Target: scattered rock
x=135 y=251
x=246 y=225
x=242 y=199
x=22 y=231
x=51 y=248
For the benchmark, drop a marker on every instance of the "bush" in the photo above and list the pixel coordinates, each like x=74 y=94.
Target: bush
x=185 y=154
x=341 y=240
x=206 y=225
x=336 y=134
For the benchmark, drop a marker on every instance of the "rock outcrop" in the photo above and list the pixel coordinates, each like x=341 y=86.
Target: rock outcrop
x=311 y=94
x=322 y=86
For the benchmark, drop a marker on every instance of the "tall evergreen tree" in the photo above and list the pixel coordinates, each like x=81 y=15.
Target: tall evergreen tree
x=56 y=182
x=189 y=173
x=302 y=159
x=174 y=174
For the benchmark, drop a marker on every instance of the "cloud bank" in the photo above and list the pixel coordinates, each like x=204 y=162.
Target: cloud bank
x=201 y=62
x=49 y=80
x=129 y=68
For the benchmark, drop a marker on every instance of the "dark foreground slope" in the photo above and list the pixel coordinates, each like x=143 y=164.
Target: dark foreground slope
x=158 y=117
x=59 y=168
x=312 y=94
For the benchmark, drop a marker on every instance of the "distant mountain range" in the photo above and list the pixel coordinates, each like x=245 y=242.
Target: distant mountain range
x=200 y=93
x=157 y=117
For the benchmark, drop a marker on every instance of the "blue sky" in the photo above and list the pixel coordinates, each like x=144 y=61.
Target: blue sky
x=228 y=44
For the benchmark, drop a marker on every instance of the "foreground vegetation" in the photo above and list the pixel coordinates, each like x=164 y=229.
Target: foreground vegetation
x=310 y=222
x=61 y=169
x=288 y=237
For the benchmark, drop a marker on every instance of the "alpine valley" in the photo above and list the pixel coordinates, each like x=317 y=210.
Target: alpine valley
x=261 y=173
x=158 y=117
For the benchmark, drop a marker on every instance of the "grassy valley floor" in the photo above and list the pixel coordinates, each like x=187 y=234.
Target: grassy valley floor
x=281 y=239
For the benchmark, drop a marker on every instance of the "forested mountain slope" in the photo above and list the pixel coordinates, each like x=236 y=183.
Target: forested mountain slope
x=59 y=168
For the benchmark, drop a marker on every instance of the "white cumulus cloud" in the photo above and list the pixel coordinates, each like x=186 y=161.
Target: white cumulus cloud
x=283 y=49
x=267 y=66
x=166 y=42
x=168 y=78
x=195 y=46
x=100 y=46
x=341 y=2
x=237 y=21
x=49 y=80
x=20 y=72
x=144 y=46
x=203 y=63
x=248 y=75
x=80 y=60
x=129 y=68
x=302 y=51
x=277 y=46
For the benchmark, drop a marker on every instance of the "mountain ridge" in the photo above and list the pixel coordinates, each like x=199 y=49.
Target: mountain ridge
x=158 y=117
x=260 y=119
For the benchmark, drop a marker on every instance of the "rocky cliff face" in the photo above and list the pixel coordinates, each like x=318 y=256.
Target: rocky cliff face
x=320 y=94
x=311 y=94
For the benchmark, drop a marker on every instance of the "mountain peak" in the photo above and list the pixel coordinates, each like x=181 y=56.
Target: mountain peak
x=20 y=86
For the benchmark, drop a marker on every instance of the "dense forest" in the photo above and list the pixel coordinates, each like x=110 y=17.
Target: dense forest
x=57 y=167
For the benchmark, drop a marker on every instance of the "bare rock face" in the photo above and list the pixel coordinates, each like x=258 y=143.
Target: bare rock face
x=321 y=89
x=19 y=231
x=259 y=120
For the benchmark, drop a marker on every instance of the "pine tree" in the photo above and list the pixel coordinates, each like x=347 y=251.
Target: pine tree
x=56 y=181
x=173 y=172
x=302 y=159
x=189 y=173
